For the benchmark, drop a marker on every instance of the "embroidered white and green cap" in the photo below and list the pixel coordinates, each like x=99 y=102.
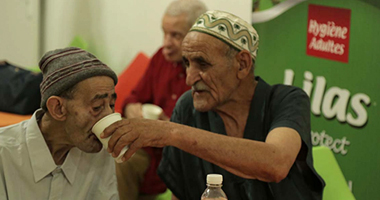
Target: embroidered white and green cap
x=228 y=28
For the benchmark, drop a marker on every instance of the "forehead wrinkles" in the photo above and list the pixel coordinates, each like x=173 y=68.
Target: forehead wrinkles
x=202 y=44
x=192 y=52
x=194 y=47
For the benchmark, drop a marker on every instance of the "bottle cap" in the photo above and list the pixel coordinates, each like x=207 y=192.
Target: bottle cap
x=214 y=179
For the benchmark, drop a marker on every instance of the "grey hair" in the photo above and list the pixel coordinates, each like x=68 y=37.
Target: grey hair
x=191 y=8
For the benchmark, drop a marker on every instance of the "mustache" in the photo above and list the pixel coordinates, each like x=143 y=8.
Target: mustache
x=200 y=86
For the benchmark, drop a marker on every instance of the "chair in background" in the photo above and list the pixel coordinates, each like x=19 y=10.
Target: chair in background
x=327 y=167
x=129 y=78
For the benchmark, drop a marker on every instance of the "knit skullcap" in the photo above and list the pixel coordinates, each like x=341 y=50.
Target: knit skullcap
x=230 y=29
x=64 y=68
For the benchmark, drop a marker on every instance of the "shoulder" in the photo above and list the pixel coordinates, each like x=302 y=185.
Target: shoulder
x=280 y=93
x=286 y=90
x=13 y=135
x=289 y=107
x=285 y=93
x=290 y=99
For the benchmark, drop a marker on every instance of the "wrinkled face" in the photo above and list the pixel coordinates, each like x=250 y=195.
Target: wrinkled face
x=175 y=29
x=211 y=73
x=93 y=99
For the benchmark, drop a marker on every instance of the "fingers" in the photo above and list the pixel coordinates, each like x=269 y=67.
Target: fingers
x=111 y=129
x=120 y=136
x=136 y=133
x=132 y=150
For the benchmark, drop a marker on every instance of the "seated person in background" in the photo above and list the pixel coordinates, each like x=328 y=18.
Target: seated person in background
x=231 y=122
x=162 y=84
x=54 y=155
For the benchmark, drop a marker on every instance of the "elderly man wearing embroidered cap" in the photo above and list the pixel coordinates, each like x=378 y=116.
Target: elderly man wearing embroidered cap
x=231 y=122
x=54 y=155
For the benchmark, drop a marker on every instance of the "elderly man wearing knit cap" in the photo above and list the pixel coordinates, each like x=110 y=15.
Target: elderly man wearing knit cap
x=54 y=155
x=231 y=122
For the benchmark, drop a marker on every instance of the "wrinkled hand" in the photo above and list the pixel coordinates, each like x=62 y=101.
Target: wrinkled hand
x=133 y=110
x=136 y=133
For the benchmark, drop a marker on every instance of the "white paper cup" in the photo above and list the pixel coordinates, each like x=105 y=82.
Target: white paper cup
x=151 y=111
x=102 y=124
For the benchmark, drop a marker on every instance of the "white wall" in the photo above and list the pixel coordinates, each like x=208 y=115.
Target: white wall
x=19 y=32
x=117 y=30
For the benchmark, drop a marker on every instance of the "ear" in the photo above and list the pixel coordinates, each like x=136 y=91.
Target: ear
x=245 y=64
x=57 y=109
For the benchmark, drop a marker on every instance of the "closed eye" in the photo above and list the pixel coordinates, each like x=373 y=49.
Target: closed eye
x=177 y=35
x=202 y=63
x=185 y=62
x=97 y=108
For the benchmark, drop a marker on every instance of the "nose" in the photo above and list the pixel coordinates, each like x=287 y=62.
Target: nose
x=192 y=75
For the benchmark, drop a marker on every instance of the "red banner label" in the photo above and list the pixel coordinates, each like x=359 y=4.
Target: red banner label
x=328 y=32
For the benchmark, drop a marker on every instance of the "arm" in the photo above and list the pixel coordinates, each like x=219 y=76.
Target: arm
x=268 y=161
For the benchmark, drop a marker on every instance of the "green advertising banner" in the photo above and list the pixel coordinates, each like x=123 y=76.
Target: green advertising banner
x=330 y=48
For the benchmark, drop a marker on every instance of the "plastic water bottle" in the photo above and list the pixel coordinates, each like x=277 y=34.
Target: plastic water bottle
x=214 y=188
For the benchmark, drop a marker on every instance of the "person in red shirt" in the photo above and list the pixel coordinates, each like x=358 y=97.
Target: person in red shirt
x=162 y=84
